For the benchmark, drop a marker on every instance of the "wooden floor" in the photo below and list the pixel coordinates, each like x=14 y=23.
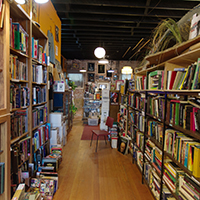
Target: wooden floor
x=105 y=175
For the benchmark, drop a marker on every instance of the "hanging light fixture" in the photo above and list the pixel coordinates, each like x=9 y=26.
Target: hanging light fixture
x=21 y=1
x=99 y=52
x=41 y=1
x=127 y=70
x=110 y=70
x=103 y=61
x=82 y=70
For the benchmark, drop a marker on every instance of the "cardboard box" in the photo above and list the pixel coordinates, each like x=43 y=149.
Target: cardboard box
x=56 y=119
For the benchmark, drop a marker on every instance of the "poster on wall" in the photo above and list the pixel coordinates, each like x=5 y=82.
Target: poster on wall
x=90 y=67
x=91 y=77
x=56 y=33
x=101 y=69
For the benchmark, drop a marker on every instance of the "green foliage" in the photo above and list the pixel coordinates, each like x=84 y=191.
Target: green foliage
x=73 y=108
x=165 y=32
x=72 y=85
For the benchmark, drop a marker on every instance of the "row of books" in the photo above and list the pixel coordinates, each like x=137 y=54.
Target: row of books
x=18 y=69
x=19 y=96
x=156 y=106
x=156 y=80
x=184 y=78
x=137 y=101
x=41 y=135
x=39 y=95
x=138 y=119
x=138 y=157
x=184 y=114
x=184 y=149
x=153 y=155
x=38 y=52
x=18 y=37
x=140 y=82
x=39 y=74
x=153 y=180
x=39 y=115
x=155 y=130
x=20 y=151
x=140 y=140
x=19 y=123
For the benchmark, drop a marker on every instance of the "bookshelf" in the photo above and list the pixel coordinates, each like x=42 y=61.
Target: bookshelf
x=167 y=149
x=28 y=91
x=4 y=106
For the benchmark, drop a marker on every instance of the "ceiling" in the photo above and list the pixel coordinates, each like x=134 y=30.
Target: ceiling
x=122 y=27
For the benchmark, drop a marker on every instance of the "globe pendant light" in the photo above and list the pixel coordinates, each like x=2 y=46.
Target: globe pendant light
x=99 y=52
x=21 y=1
x=41 y=1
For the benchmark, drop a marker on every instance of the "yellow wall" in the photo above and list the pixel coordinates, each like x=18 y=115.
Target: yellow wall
x=48 y=18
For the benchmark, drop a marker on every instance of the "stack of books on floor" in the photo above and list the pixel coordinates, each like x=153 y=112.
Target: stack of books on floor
x=45 y=183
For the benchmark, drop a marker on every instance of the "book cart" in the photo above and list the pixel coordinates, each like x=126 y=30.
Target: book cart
x=164 y=123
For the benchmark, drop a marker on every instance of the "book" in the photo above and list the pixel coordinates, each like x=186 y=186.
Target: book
x=196 y=164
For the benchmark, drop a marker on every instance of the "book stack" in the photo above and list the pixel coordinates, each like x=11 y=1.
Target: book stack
x=154 y=184
x=156 y=80
x=149 y=150
x=19 y=123
x=140 y=140
x=147 y=172
x=41 y=135
x=140 y=102
x=175 y=78
x=141 y=82
x=184 y=149
x=156 y=106
x=39 y=94
x=19 y=96
x=166 y=194
x=132 y=117
x=18 y=69
x=19 y=37
x=131 y=101
x=184 y=114
x=39 y=115
x=139 y=121
x=189 y=188
x=171 y=176
x=157 y=159
x=155 y=130
x=184 y=78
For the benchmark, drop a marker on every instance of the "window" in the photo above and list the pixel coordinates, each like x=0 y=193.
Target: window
x=126 y=76
x=77 y=78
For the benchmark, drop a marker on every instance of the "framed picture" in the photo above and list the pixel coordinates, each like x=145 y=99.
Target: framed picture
x=101 y=68
x=114 y=98
x=56 y=33
x=91 y=77
x=90 y=67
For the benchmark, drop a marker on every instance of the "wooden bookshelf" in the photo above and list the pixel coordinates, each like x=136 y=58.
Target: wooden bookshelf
x=181 y=166
x=18 y=138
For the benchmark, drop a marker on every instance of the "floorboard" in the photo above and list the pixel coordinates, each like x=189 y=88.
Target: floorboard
x=105 y=175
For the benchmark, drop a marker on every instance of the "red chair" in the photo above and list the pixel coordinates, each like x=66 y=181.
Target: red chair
x=109 y=123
